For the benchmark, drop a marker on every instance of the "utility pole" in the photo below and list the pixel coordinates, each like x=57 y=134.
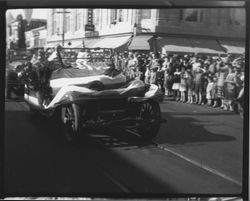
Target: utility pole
x=63 y=24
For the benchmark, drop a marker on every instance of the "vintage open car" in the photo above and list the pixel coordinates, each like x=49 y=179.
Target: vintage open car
x=84 y=89
x=14 y=65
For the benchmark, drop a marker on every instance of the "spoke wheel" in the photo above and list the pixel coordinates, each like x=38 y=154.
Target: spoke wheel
x=71 y=121
x=151 y=114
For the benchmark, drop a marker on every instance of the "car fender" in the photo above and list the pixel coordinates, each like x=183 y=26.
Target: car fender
x=153 y=93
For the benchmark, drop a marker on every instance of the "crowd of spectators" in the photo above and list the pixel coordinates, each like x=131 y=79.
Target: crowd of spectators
x=205 y=80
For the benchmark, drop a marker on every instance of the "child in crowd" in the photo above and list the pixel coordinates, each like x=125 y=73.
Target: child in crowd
x=210 y=91
x=189 y=82
x=176 y=85
x=198 y=73
x=183 y=84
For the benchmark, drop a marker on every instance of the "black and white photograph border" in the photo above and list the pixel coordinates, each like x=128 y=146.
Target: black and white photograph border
x=127 y=101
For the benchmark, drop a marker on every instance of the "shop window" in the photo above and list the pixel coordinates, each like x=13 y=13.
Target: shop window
x=237 y=16
x=113 y=16
x=42 y=42
x=67 y=24
x=192 y=15
x=54 y=28
x=78 y=21
x=27 y=43
x=36 y=42
x=146 y=13
x=120 y=15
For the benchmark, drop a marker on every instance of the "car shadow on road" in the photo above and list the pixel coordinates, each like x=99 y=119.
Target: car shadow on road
x=181 y=130
x=110 y=137
x=119 y=137
x=36 y=133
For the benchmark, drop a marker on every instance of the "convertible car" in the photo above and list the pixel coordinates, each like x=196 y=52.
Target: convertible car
x=83 y=88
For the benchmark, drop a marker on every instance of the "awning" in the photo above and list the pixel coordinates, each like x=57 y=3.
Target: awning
x=233 y=47
x=206 y=46
x=76 y=44
x=140 y=42
x=174 y=44
x=107 y=42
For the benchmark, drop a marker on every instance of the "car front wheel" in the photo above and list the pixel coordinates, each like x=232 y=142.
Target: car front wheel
x=150 y=113
x=71 y=122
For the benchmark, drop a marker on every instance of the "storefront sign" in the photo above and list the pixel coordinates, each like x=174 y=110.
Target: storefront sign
x=89 y=26
x=91 y=34
x=90 y=16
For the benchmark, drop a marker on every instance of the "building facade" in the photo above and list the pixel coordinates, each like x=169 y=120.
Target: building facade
x=36 y=38
x=218 y=24
x=228 y=23
x=69 y=24
x=13 y=30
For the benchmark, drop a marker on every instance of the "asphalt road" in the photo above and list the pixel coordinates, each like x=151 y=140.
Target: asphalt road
x=199 y=150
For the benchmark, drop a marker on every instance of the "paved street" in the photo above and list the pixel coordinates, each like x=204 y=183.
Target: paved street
x=199 y=150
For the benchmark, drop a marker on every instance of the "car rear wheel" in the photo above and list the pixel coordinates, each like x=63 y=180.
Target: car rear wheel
x=71 y=122
x=150 y=113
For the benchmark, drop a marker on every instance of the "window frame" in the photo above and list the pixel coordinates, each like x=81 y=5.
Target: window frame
x=200 y=15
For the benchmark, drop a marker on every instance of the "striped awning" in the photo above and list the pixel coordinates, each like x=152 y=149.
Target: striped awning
x=175 y=44
x=140 y=42
x=107 y=42
x=206 y=46
x=233 y=47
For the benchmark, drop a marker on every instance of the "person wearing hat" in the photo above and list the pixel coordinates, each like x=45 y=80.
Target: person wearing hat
x=154 y=66
x=230 y=88
x=167 y=67
x=141 y=68
x=132 y=65
x=220 y=89
x=239 y=100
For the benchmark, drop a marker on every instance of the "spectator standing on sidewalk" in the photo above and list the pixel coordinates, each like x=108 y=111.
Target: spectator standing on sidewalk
x=221 y=74
x=148 y=73
x=189 y=86
x=211 y=66
x=141 y=67
x=168 y=77
x=160 y=79
x=204 y=81
x=240 y=97
x=210 y=91
x=183 y=84
x=124 y=63
x=198 y=71
x=153 y=69
x=176 y=84
x=185 y=62
x=230 y=89
x=132 y=66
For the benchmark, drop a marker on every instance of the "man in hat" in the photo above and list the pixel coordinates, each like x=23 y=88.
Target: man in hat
x=154 y=68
